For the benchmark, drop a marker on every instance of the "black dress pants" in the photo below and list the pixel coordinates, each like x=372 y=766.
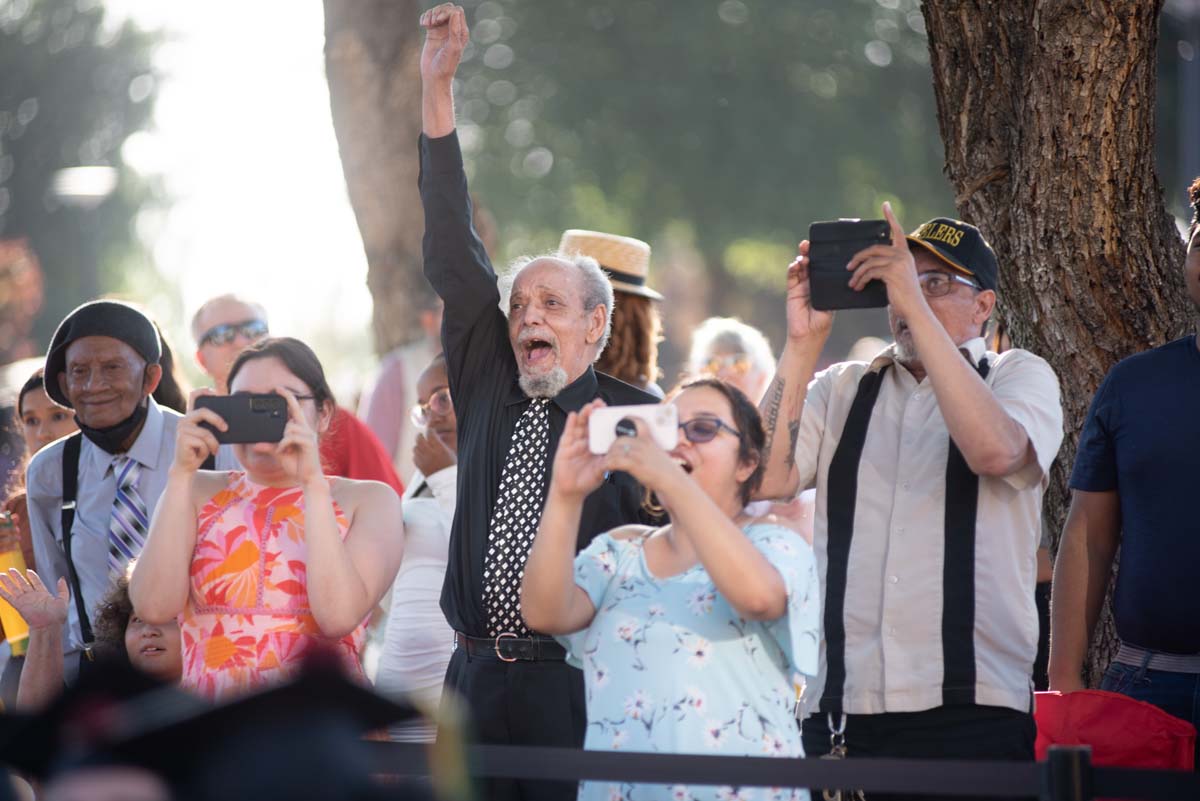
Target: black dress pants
x=520 y=703
x=966 y=732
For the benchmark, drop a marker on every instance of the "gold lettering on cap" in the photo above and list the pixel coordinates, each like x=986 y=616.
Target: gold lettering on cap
x=940 y=232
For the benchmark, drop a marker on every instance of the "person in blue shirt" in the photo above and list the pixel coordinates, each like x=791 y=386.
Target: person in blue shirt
x=692 y=637
x=1133 y=486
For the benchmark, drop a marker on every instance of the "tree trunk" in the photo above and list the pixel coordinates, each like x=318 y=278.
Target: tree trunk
x=1046 y=109
x=372 y=53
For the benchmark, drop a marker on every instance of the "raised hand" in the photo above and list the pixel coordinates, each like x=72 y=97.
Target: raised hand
x=298 y=452
x=577 y=471
x=803 y=321
x=194 y=442
x=446 y=37
x=430 y=454
x=894 y=265
x=29 y=596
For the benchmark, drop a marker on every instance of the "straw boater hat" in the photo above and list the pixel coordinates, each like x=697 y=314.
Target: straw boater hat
x=624 y=259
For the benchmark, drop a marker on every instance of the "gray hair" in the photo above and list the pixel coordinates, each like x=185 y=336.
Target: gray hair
x=731 y=334
x=597 y=290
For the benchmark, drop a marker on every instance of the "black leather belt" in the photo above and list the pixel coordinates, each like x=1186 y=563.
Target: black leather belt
x=511 y=648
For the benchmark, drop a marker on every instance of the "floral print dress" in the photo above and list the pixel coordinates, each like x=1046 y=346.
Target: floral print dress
x=669 y=666
x=247 y=623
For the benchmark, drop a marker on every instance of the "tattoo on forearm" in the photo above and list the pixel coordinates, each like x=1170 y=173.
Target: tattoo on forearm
x=794 y=437
x=773 y=401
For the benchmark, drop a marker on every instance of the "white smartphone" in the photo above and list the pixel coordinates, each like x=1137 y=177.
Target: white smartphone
x=661 y=419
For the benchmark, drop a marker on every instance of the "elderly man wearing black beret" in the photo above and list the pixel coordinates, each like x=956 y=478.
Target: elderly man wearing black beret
x=91 y=494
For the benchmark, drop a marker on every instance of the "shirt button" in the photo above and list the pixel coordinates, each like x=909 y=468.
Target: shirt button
x=893 y=580
x=900 y=530
x=907 y=484
x=891 y=631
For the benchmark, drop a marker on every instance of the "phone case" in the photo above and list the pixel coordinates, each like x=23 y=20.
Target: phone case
x=251 y=418
x=661 y=419
x=831 y=246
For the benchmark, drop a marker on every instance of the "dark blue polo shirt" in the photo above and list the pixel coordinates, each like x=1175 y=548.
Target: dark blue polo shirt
x=1142 y=439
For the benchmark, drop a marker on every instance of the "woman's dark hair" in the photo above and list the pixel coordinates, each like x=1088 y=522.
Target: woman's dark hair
x=632 y=350
x=297 y=357
x=35 y=381
x=110 y=620
x=172 y=390
x=751 y=437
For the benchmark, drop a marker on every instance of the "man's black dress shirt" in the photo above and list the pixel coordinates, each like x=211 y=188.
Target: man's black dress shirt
x=483 y=383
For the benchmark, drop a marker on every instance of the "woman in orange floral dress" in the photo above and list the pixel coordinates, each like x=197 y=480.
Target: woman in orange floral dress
x=267 y=563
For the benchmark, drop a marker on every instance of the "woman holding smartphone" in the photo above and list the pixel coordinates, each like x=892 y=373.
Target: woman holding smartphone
x=266 y=563
x=692 y=637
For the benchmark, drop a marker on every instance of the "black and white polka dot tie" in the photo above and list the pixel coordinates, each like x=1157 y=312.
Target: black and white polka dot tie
x=515 y=520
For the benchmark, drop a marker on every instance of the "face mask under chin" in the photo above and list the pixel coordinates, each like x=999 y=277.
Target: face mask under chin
x=112 y=439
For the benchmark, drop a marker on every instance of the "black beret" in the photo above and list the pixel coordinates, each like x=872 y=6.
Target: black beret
x=100 y=318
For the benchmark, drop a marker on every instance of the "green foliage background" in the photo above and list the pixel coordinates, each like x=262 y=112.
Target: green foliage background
x=732 y=124
x=71 y=92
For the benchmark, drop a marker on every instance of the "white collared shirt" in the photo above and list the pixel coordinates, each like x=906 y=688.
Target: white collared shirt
x=893 y=601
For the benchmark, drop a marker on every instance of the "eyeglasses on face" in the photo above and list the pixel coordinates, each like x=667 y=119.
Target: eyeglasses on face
x=439 y=403
x=737 y=362
x=699 y=430
x=937 y=284
x=225 y=333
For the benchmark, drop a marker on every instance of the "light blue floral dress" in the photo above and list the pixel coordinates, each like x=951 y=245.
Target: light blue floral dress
x=669 y=666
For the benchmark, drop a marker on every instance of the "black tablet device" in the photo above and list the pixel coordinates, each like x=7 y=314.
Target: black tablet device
x=831 y=246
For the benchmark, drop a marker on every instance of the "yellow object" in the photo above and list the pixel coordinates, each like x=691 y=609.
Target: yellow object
x=16 y=630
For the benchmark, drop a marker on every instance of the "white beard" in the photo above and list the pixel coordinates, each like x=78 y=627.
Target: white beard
x=905 y=353
x=546 y=385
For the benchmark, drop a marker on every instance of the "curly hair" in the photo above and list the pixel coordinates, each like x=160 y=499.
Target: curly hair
x=632 y=352
x=111 y=618
x=1194 y=198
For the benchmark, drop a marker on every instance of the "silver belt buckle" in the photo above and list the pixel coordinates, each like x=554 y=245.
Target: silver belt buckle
x=496 y=646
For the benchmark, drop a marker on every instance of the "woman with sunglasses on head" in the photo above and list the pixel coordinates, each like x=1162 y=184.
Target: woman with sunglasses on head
x=727 y=349
x=269 y=563
x=418 y=641
x=691 y=636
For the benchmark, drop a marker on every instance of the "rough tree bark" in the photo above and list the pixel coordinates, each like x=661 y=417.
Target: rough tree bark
x=372 y=55
x=1046 y=109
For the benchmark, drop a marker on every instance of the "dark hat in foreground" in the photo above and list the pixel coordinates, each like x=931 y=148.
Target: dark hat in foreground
x=962 y=247
x=99 y=318
x=306 y=731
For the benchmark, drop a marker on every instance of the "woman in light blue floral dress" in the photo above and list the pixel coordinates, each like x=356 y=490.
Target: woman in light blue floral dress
x=693 y=638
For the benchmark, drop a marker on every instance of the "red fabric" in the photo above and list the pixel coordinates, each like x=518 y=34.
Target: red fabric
x=349 y=449
x=1123 y=732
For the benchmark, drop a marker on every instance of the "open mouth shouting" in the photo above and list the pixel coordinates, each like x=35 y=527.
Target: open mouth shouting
x=537 y=352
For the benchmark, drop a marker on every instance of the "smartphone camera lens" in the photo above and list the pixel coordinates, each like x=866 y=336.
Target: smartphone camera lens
x=626 y=428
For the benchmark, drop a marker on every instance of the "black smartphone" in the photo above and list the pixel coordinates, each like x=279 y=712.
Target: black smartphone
x=251 y=418
x=831 y=245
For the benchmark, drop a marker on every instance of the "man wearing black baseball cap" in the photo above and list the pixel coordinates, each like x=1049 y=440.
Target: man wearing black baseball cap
x=91 y=495
x=929 y=464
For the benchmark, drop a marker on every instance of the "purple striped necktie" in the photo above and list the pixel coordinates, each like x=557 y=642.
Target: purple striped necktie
x=128 y=523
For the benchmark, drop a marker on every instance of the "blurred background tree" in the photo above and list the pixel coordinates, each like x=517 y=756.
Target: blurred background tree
x=718 y=132
x=72 y=92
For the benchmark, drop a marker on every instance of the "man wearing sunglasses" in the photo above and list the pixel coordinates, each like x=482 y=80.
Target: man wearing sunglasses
x=929 y=464
x=223 y=326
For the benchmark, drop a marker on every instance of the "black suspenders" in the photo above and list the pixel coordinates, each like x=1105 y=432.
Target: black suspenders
x=70 y=488
x=841 y=495
x=958 y=577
